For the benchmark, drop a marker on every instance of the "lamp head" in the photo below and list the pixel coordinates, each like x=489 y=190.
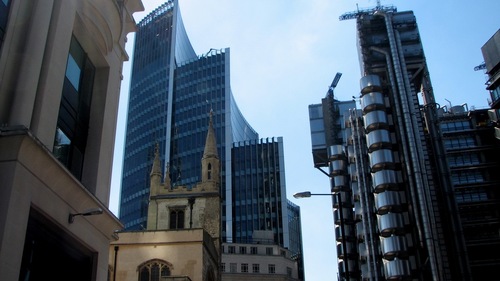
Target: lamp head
x=88 y=212
x=305 y=194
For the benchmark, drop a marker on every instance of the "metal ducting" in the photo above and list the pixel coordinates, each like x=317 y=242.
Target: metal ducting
x=388 y=201
x=384 y=180
x=336 y=152
x=355 y=191
x=358 y=211
x=351 y=264
x=360 y=231
x=393 y=246
x=363 y=251
x=350 y=248
x=339 y=183
x=372 y=101
x=381 y=159
x=378 y=139
x=349 y=233
x=346 y=200
x=350 y=153
x=397 y=269
x=346 y=213
x=370 y=83
x=390 y=223
x=375 y=120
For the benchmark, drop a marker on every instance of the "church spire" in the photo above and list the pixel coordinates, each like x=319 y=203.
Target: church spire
x=210 y=143
x=156 y=170
x=210 y=160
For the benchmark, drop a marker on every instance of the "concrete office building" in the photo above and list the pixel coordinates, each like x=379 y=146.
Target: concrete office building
x=60 y=75
x=394 y=219
x=171 y=92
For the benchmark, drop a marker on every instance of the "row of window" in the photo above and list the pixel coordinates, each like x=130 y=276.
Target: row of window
x=252 y=250
x=256 y=268
x=459 y=125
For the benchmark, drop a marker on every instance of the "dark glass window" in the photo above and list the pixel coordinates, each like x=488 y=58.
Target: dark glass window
x=74 y=110
x=255 y=268
x=176 y=219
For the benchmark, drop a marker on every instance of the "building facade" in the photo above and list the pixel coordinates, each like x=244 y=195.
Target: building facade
x=172 y=90
x=389 y=175
x=182 y=239
x=60 y=73
x=473 y=155
x=261 y=260
x=491 y=55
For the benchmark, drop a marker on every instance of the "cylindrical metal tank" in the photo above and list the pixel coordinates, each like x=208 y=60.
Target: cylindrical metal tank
x=378 y=139
x=338 y=167
x=336 y=152
x=375 y=120
x=384 y=180
x=370 y=83
x=381 y=159
x=390 y=223
x=397 y=269
x=393 y=246
x=372 y=101
x=388 y=201
x=339 y=183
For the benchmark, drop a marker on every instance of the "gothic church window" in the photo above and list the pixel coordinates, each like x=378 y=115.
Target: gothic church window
x=154 y=270
x=176 y=219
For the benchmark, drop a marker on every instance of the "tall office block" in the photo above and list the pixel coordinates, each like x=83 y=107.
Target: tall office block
x=60 y=75
x=394 y=216
x=473 y=154
x=172 y=91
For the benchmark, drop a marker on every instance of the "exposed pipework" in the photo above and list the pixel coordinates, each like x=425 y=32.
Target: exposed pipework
x=366 y=217
x=412 y=144
x=404 y=143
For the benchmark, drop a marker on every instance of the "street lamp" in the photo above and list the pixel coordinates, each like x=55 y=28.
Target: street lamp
x=307 y=194
x=89 y=212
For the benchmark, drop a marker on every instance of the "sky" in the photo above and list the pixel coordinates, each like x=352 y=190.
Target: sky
x=283 y=56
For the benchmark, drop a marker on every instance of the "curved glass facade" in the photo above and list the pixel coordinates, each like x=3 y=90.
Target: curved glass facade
x=172 y=91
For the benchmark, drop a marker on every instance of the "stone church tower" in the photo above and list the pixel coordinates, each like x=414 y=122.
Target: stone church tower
x=180 y=207
x=183 y=236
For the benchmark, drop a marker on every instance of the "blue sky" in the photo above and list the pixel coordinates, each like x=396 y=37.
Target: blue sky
x=284 y=55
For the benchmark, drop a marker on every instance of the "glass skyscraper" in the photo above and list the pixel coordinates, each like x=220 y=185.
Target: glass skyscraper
x=172 y=91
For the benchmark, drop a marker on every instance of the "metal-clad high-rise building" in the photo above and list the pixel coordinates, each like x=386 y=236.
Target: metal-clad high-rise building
x=394 y=216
